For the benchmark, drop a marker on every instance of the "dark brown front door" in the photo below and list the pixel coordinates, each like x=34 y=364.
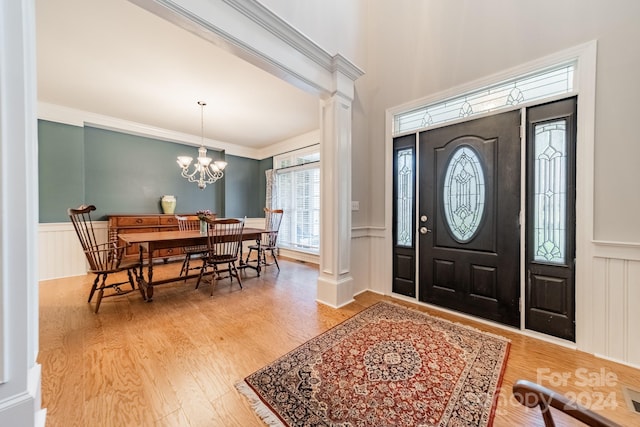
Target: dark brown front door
x=469 y=207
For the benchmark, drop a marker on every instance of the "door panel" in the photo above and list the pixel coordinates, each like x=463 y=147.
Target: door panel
x=470 y=194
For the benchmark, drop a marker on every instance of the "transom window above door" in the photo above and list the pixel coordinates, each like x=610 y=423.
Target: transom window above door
x=547 y=83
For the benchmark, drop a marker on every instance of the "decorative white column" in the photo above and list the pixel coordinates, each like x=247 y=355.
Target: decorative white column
x=249 y=30
x=20 y=373
x=335 y=284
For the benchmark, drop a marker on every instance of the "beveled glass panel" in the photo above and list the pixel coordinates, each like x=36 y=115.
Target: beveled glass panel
x=464 y=194
x=404 y=197
x=550 y=192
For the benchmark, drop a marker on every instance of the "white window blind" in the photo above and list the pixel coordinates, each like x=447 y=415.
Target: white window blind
x=297 y=191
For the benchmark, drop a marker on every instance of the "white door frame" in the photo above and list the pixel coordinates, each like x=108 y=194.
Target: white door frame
x=585 y=88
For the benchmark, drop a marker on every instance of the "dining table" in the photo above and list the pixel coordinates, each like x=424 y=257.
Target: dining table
x=150 y=242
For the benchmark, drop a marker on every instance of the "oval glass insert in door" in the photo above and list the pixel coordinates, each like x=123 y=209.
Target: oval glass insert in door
x=463 y=194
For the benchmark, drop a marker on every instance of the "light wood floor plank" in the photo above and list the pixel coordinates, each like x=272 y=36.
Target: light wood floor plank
x=174 y=361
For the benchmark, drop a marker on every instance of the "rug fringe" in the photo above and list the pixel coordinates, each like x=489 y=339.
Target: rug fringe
x=258 y=405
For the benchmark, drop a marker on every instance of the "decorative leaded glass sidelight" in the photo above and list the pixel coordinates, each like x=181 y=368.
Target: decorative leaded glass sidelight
x=463 y=194
x=550 y=192
x=404 y=197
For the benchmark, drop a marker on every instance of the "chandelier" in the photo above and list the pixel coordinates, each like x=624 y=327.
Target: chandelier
x=205 y=170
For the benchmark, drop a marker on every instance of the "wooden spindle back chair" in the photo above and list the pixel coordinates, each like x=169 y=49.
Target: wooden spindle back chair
x=224 y=239
x=190 y=223
x=533 y=395
x=103 y=258
x=269 y=239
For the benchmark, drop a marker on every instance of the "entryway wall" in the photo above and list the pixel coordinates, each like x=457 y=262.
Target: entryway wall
x=607 y=274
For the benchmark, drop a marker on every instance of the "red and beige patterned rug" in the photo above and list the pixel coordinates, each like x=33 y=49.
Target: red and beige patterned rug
x=386 y=366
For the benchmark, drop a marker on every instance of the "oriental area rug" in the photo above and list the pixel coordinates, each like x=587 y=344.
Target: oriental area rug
x=385 y=366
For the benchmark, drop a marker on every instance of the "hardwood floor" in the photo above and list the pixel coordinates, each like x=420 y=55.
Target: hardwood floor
x=174 y=361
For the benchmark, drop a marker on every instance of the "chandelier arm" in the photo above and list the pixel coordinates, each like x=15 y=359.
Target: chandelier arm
x=208 y=172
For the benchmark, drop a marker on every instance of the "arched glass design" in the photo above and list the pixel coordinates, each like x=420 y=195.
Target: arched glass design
x=464 y=194
x=550 y=199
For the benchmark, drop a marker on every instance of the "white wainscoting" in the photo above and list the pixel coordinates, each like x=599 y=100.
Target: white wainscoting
x=367 y=259
x=615 y=310
x=613 y=313
x=60 y=253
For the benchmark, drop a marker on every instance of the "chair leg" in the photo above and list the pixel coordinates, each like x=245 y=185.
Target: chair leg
x=236 y=273
x=144 y=296
x=185 y=265
x=187 y=261
x=94 y=287
x=99 y=300
x=131 y=282
x=202 y=270
x=249 y=255
x=275 y=259
x=214 y=280
x=101 y=292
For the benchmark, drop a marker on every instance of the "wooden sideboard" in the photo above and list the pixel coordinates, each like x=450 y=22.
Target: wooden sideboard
x=144 y=223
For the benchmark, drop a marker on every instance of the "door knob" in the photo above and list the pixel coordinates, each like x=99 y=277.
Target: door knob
x=423 y=218
x=424 y=230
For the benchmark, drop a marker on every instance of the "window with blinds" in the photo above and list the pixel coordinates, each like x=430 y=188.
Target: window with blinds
x=297 y=191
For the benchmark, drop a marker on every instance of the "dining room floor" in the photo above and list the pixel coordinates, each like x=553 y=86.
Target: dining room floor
x=174 y=361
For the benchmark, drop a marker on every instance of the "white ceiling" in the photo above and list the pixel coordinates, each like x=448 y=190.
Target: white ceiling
x=113 y=58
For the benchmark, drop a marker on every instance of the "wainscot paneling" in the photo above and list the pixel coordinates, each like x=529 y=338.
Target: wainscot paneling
x=59 y=251
x=297 y=255
x=615 y=314
x=367 y=259
x=613 y=311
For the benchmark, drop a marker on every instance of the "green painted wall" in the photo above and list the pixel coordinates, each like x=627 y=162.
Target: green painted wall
x=129 y=174
x=60 y=169
x=123 y=173
x=244 y=186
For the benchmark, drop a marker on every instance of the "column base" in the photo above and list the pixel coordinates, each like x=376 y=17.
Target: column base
x=335 y=293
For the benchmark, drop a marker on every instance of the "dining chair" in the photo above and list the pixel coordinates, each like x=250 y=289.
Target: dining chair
x=224 y=239
x=190 y=223
x=268 y=240
x=104 y=258
x=532 y=394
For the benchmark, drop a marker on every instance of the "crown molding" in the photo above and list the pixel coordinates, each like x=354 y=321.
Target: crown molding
x=295 y=143
x=79 y=118
x=70 y=116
